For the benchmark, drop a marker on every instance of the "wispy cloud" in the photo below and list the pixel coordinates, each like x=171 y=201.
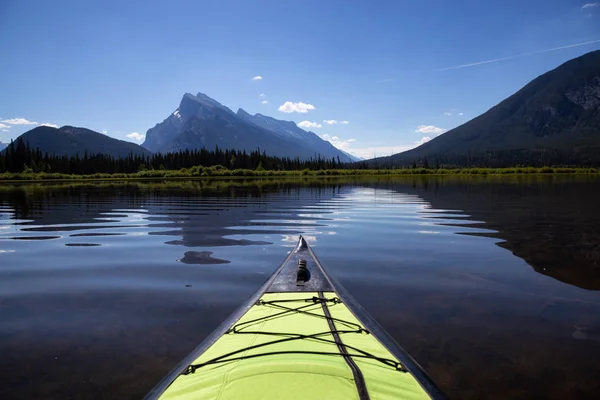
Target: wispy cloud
x=430 y=129
x=262 y=95
x=429 y=132
x=18 y=121
x=290 y=107
x=365 y=151
x=386 y=80
x=423 y=140
x=138 y=137
x=309 y=125
x=3 y=126
x=479 y=63
x=105 y=131
x=264 y=102
x=339 y=143
x=257 y=78
x=335 y=121
x=49 y=124
x=4 y=130
x=379 y=151
x=449 y=114
x=495 y=60
x=588 y=5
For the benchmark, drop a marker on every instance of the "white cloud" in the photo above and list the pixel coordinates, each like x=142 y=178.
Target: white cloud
x=429 y=132
x=4 y=130
x=379 y=151
x=138 y=137
x=588 y=5
x=290 y=107
x=2 y=126
x=461 y=114
x=386 y=80
x=257 y=78
x=449 y=114
x=344 y=122
x=264 y=102
x=49 y=124
x=104 y=131
x=262 y=95
x=430 y=129
x=339 y=143
x=330 y=121
x=372 y=149
x=18 y=121
x=309 y=125
x=423 y=140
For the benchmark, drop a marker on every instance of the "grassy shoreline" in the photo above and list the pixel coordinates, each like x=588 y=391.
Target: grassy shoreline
x=221 y=172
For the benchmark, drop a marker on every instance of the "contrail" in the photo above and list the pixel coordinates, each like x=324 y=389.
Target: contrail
x=518 y=55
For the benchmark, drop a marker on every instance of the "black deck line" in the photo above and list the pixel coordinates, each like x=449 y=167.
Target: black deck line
x=373 y=326
x=359 y=379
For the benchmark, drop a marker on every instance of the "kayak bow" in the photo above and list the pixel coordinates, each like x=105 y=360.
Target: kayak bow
x=301 y=336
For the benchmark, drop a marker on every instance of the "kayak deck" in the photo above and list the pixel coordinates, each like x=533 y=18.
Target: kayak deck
x=295 y=339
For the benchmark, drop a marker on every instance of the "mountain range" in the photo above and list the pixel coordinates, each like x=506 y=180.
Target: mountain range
x=70 y=140
x=198 y=122
x=555 y=119
x=201 y=121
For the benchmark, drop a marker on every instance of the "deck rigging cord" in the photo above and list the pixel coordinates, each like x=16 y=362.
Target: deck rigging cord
x=239 y=329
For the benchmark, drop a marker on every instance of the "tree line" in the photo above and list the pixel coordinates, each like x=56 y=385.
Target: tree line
x=20 y=157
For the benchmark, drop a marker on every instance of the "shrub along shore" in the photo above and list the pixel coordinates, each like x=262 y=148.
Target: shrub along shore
x=220 y=171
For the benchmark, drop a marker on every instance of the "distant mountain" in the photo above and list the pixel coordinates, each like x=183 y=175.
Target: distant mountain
x=69 y=141
x=3 y=146
x=555 y=119
x=352 y=157
x=203 y=122
x=287 y=129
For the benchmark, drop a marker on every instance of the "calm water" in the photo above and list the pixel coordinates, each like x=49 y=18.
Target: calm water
x=492 y=285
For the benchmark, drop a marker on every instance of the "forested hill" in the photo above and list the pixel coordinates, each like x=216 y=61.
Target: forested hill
x=553 y=120
x=21 y=157
x=71 y=141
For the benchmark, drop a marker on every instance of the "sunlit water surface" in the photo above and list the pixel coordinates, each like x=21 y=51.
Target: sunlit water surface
x=105 y=287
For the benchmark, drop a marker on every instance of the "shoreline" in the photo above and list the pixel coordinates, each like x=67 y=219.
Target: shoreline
x=209 y=173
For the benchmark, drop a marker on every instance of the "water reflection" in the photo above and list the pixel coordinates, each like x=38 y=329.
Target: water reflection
x=201 y=257
x=133 y=276
x=550 y=222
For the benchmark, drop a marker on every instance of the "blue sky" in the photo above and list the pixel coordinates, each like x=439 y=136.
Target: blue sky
x=385 y=67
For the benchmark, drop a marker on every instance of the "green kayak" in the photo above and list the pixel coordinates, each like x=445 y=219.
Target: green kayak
x=301 y=336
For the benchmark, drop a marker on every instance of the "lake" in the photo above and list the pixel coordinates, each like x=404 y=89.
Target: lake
x=491 y=284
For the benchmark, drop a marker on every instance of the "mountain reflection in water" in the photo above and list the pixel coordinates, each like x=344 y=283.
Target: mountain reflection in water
x=111 y=284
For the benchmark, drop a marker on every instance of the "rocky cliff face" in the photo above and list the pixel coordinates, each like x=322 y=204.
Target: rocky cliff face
x=588 y=96
x=201 y=121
